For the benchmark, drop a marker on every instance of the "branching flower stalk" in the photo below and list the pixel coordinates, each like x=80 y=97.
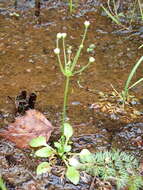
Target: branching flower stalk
x=68 y=68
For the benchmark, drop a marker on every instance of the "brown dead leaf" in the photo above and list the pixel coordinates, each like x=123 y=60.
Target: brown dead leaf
x=27 y=127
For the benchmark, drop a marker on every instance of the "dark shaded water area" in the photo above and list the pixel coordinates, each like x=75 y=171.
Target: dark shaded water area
x=27 y=62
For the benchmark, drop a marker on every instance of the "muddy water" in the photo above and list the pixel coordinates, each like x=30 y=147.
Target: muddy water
x=27 y=62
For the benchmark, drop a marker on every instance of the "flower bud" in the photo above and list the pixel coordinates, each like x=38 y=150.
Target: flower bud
x=64 y=35
x=57 y=51
x=81 y=46
x=69 y=51
x=91 y=59
x=59 y=35
x=86 y=23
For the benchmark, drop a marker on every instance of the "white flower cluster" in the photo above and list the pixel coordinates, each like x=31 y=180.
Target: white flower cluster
x=57 y=51
x=91 y=59
x=86 y=23
x=61 y=35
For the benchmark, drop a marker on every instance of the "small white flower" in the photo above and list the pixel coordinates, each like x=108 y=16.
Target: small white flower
x=69 y=51
x=59 y=35
x=91 y=59
x=86 y=23
x=64 y=35
x=57 y=51
x=81 y=46
x=74 y=162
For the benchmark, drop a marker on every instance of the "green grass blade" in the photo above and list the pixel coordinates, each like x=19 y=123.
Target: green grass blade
x=130 y=77
x=141 y=9
x=140 y=46
x=137 y=82
x=111 y=16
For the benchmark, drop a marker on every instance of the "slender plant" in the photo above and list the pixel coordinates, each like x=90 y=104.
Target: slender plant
x=62 y=147
x=125 y=93
x=68 y=67
x=108 y=166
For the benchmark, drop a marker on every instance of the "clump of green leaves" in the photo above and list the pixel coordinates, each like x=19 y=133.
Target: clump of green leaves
x=61 y=149
x=116 y=166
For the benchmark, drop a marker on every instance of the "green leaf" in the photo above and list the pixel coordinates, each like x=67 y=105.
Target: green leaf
x=73 y=175
x=38 y=141
x=44 y=152
x=68 y=130
x=60 y=148
x=43 y=168
x=2 y=184
x=67 y=148
x=57 y=145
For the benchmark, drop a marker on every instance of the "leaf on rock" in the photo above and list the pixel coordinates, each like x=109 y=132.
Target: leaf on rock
x=33 y=124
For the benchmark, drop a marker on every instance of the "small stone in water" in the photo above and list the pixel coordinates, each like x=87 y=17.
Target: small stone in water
x=28 y=70
x=76 y=103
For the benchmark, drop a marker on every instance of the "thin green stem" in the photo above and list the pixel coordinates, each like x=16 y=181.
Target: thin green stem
x=79 y=50
x=59 y=59
x=57 y=43
x=66 y=163
x=111 y=16
x=65 y=100
x=60 y=63
x=82 y=69
x=84 y=35
x=69 y=58
x=137 y=82
x=71 y=6
x=64 y=50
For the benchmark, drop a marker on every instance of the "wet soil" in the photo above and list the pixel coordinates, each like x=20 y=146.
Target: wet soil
x=27 y=62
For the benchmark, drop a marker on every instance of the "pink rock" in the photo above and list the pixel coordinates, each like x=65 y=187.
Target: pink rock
x=27 y=127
